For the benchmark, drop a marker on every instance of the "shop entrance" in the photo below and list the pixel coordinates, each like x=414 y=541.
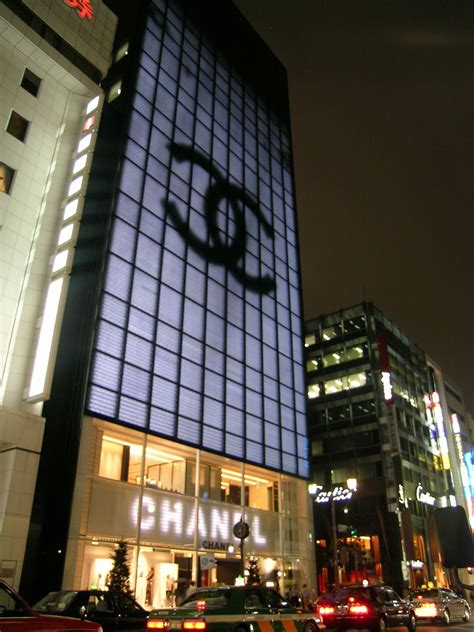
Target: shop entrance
x=227 y=571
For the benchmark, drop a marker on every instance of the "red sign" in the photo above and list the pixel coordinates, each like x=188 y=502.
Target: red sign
x=84 y=8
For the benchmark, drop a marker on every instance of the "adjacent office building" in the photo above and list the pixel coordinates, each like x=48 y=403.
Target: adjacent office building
x=177 y=407
x=383 y=454
x=53 y=56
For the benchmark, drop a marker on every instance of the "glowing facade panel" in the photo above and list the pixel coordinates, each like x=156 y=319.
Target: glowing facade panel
x=199 y=335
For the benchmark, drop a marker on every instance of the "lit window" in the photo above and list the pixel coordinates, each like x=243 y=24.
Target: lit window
x=115 y=91
x=93 y=103
x=17 y=126
x=314 y=391
x=88 y=123
x=121 y=52
x=75 y=185
x=30 y=82
x=309 y=340
x=66 y=234
x=60 y=261
x=84 y=143
x=70 y=209
x=80 y=164
x=6 y=178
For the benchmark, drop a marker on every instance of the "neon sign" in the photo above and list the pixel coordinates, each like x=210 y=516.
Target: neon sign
x=84 y=8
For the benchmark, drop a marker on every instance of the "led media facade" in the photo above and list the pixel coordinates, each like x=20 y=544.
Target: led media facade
x=199 y=330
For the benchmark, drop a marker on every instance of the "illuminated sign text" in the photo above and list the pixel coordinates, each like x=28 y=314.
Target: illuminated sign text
x=84 y=8
x=424 y=497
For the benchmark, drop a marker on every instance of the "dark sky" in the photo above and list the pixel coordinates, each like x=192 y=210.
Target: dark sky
x=382 y=103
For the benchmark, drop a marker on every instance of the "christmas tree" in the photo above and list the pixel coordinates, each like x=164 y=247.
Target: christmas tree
x=253 y=576
x=119 y=576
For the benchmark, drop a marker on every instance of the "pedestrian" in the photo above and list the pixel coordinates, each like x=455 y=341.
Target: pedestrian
x=190 y=589
x=305 y=597
x=294 y=596
x=180 y=592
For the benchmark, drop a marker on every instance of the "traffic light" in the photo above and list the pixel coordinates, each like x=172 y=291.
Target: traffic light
x=455 y=537
x=353 y=531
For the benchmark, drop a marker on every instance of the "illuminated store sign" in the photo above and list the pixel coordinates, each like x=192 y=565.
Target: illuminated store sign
x=424 y=497
x=199 y=329
x=384 y=364
x=387 y=386
x=162 y=517
x=337 y=494
x=435 y=415
x=402 y=499
x=83 y=8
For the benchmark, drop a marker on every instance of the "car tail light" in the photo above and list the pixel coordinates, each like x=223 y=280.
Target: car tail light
x=430 y=609
x=325 y=610
x=201 y=604
x=358 y=608
x=157 y=624
x=194 y=624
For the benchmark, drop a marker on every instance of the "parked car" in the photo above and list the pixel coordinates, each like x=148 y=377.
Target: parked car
x=113 y=611
x=234 y=609
x=439 y=604
x=373 y=607
x=17 y=616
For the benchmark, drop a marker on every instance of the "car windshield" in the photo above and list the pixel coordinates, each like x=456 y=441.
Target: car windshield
x=208 y=598
x=56 y=601
x=424 y=594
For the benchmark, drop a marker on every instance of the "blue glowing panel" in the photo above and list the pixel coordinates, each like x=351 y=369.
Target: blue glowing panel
x=199 y=335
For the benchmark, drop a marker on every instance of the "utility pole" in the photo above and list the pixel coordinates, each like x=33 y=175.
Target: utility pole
x=335 y=565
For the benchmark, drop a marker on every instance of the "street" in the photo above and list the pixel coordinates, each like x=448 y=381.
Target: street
x=457 y=626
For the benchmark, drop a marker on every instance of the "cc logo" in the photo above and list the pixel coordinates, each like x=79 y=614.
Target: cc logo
x=217 y=251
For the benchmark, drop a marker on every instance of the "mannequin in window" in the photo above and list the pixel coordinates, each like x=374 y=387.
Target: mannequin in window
x=149 y=586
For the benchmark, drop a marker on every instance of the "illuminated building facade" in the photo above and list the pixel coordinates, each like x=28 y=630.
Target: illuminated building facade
x=368 y=384
x=178 y=403
x=52 y=61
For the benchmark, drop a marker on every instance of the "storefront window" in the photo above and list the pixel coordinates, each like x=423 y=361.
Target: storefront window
x=121 y=455
x=166 y=467
x=262 y=489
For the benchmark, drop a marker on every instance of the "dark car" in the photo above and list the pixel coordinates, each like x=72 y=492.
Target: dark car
x=372 y=607
x=439 y=604
x=113 y=611
x=234 y=609
x=17 y=616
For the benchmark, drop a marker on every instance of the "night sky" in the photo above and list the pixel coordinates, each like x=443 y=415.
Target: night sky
x=382 y=103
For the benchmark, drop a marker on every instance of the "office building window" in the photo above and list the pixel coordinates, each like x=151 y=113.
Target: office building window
x=6 y=178
x=17 y=126
x=30 y=82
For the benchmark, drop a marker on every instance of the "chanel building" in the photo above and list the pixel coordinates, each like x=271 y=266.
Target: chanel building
x=178 y=402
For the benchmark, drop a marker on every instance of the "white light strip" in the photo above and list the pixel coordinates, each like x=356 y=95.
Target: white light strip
x=70 y=209
x=93 y=103
x=60 y=261
x=43 y=354
x=84 y=143
x=65 y=234
x=80 y=163
x=75 y=185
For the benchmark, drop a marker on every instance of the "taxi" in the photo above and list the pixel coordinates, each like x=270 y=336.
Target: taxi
x=235 y=609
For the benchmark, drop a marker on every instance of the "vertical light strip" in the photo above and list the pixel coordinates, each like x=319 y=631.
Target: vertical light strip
x=43 y=356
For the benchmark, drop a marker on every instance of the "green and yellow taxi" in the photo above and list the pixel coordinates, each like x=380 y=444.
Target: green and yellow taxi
x=235 y=609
